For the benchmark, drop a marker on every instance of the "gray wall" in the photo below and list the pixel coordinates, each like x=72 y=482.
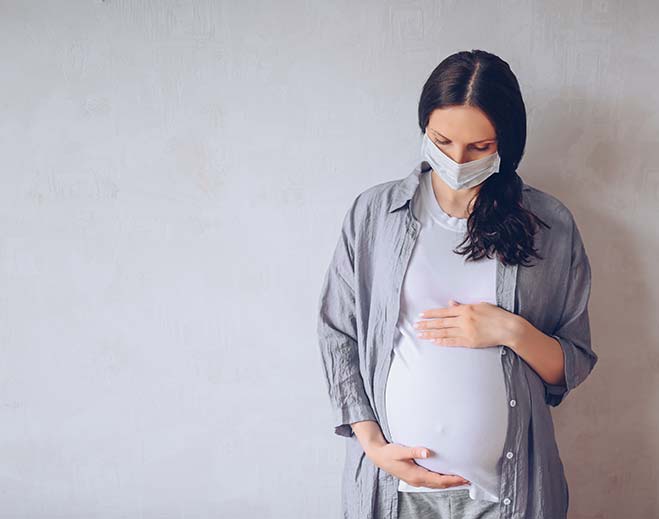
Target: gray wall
x=174 y=175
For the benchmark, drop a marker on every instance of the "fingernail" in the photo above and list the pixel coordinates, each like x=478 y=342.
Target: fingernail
x=422 y=314
x=424 y=454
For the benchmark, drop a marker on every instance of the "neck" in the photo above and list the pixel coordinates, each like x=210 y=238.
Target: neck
x=455 y=203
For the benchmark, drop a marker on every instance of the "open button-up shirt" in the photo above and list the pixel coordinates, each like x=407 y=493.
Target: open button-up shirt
x=358 y=312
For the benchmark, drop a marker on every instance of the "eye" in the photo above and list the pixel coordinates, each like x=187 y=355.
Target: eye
x=440 y=143
x=444 y=143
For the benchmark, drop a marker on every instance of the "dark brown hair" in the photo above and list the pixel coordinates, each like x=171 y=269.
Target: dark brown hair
x=498 y=222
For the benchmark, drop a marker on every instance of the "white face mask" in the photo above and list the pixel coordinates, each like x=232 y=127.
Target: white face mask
x=459 y=176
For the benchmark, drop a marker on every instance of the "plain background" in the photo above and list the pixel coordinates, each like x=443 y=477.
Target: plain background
x=174 y=175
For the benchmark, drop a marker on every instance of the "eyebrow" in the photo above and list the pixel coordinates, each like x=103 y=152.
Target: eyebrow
x=475 y=142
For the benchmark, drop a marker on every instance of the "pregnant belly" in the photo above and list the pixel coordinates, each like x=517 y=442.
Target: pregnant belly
x=453 y=402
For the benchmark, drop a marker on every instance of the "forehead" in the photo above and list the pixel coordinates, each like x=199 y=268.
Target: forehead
x=462 y=124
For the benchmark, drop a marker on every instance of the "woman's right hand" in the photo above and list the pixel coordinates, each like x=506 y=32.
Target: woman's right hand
x=398 y=460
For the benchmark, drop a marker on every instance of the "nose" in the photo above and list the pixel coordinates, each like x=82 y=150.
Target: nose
x=459 y=155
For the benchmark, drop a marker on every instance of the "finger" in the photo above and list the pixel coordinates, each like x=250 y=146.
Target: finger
x=434 y=479
x=421 y=477
x=460 y=342
x=402 y=452
x=441 y=312
x=436 y=333
x=436 y=324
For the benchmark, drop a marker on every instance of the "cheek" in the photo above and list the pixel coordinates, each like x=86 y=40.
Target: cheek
x=482 y=154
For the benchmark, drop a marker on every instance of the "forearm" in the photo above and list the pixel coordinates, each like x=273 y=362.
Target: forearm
x=369 y=434
x=540 y=351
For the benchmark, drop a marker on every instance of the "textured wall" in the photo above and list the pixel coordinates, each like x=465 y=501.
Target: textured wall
x=173 y=178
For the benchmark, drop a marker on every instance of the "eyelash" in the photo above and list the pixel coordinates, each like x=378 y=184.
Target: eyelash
x=475 y=147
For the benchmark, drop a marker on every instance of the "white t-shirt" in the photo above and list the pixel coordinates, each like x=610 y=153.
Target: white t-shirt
x=451 y=400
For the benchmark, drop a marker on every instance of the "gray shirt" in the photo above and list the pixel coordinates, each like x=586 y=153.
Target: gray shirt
x=358 y=311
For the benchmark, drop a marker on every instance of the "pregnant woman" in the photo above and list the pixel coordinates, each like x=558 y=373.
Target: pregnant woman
x=453 y=314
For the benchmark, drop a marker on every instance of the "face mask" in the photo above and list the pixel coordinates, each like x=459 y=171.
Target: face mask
x=459 y=176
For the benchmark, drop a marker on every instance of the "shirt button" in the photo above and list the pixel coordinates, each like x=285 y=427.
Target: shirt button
x=503 y=350
x=509 y=455
x=513 y=403
x=506 y=501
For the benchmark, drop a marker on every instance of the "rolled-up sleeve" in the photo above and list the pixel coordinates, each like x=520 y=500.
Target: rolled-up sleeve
x=573 y=329
x=337 y=334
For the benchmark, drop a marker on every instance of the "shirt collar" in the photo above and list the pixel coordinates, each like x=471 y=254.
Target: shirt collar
x=405 y=188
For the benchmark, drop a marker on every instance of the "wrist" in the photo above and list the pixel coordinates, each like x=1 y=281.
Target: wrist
x=515 y=331
x=373 y=443
x=369 y=435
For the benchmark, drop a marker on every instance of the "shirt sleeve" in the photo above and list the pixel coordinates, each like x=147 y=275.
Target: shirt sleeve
x=337 y=335
x=573 y=329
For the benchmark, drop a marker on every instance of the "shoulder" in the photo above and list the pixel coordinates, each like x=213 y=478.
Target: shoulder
x=547 y=206
x=563 y=225
x=375 y=199
x=368 y=209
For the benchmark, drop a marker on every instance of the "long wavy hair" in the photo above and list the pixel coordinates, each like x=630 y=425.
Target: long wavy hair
x=498 y=223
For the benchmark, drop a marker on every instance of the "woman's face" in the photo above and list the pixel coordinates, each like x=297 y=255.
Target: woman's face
x=464 y=133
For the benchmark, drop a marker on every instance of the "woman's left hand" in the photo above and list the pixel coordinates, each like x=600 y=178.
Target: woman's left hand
x=477 y=325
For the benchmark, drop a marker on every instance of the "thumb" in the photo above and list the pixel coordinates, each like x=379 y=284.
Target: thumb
x=417 y=453
x=402 y=452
